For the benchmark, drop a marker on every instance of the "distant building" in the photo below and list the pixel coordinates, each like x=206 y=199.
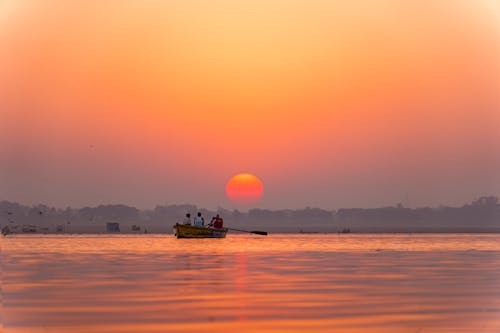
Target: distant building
x=112 y=227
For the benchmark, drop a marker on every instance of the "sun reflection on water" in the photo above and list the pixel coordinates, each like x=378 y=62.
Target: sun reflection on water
x=280 y=283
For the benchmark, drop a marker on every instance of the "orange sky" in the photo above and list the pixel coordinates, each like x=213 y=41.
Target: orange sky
x=331 y=103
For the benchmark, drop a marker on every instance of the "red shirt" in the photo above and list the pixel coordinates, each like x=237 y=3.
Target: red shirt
x=218 y=223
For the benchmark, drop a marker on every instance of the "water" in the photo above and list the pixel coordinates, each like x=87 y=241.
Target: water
x=247 y=283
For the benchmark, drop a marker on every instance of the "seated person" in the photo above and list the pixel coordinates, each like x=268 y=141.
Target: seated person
x=187 y=219
x=216 y=222
x=199 y=221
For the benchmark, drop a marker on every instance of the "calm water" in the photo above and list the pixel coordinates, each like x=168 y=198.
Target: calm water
x=245 y=283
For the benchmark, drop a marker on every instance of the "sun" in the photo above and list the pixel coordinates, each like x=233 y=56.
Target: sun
x=244 y=188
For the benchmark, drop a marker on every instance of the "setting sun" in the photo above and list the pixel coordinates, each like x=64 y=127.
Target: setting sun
x=136 y=137
x=244 y=188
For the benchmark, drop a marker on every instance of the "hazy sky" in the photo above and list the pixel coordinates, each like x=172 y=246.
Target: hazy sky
x=331 y=103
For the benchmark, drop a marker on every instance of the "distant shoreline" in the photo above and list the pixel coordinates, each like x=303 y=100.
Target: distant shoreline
x=479 y=216
x=240 y=233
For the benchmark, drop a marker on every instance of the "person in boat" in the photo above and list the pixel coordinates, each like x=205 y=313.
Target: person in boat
x=199 y=221
x=216 y=222
x=187 y=219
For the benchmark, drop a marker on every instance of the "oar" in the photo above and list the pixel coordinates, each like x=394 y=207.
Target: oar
x=264 y=233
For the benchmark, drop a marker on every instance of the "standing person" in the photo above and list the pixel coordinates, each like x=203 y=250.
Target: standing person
x=199 y=221
x=187 y=219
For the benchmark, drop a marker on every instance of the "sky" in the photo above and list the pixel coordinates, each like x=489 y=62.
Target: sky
x=330 y=103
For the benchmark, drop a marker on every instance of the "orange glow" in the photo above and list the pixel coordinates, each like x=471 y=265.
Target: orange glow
x=244 y=188
x=245 y=284
x=350 y=99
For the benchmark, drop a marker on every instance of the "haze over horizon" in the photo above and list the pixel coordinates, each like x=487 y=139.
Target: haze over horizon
x=242 y=208
x=331 y=104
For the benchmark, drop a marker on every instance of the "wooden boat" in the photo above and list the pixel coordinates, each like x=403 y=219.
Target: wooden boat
x=189 y=231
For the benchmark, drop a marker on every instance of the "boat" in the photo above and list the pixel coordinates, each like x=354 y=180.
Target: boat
x=6 y=230
x=190 y=231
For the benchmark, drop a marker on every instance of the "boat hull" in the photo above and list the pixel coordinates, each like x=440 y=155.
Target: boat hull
x=189 y=231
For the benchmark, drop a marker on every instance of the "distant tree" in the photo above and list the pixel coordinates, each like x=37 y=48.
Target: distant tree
x=486 y=201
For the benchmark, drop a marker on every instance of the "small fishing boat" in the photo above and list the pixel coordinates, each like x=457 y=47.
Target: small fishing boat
x=189 y=231
x=6 y=230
